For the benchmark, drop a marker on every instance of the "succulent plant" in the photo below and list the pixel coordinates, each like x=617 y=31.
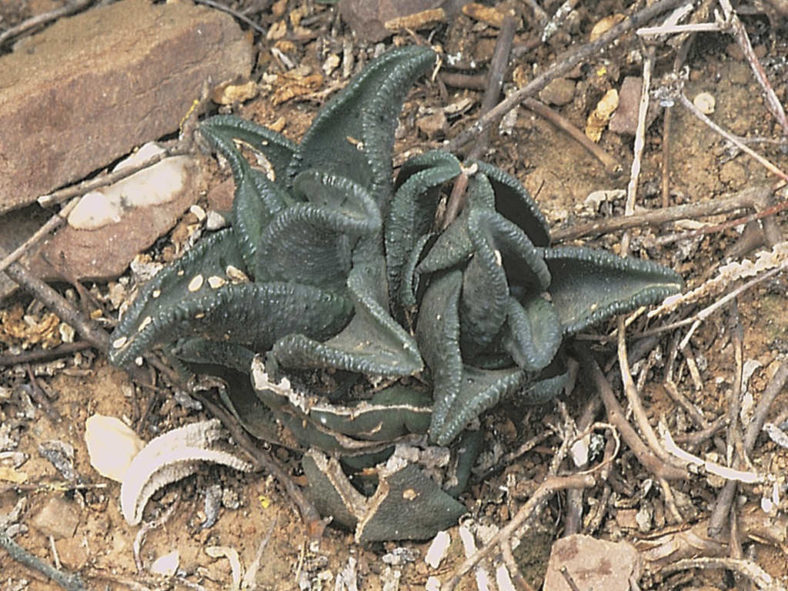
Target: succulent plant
x=373 y=337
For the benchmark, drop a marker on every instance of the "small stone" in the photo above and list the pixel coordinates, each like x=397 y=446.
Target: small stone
x=58 y=518
x=433 y=126
x=559 y=92
x=704 y=102
x=592 y=563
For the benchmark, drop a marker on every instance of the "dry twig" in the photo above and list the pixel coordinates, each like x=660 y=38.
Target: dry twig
x=43 y=19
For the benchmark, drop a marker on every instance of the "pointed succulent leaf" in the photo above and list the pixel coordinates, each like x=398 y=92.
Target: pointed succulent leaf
x=533 y=333
x=413 y=208
x=438 y=335
x=591 y=285
x=516 y=204
x=502 y=254
x=199 y=351
x=250 y=314
x=543 y=389
x=223 y=131
x=429 y=159
x=409 y=285
x=407 y=505
x=353 y=134
x=454 y=245
x=373 y=343
x=460 y=392
x=256 y=201
x=481 y=390
x=215 y=258
x=312 y=243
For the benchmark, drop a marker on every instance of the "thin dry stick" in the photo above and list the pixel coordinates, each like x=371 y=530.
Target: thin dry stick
x=746 y=568
x=498 y=67
x=753 y=197
x=687 y=104
x=179 y=149
x=43 y=355
x=734 y=441
x=722 y=508
x=68 y=581
x=618 y=419
x=548 y=488
x=771 y=231
x=240 y=16
x=87 y=329
x=612 y=166
x=42 y=19
x=631 y=392
x=686 y=39
x=740 y=34
x=562 y=65
x=50 y=226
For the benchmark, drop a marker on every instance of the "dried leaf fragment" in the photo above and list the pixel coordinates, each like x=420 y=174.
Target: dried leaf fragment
x=597 y=120
x=170 y=457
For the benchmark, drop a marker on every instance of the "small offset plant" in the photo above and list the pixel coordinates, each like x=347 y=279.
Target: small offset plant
x=375 y=337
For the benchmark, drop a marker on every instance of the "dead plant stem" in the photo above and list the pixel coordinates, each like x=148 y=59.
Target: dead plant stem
x=753 y=197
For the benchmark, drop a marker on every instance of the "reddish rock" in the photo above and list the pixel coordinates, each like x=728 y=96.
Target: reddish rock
x=592 y=564
x=91 y=88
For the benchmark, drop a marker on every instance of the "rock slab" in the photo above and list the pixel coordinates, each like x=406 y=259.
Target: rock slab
x=90 y=88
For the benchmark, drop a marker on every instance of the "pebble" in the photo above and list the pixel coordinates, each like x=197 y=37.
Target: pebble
x=559 y=92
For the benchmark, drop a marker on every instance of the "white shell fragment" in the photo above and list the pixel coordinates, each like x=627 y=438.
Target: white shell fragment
x=438 y=549
x=705 y=102
x=112 y=446
x=166 y=565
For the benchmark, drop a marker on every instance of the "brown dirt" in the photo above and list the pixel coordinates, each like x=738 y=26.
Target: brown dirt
x=561 y=174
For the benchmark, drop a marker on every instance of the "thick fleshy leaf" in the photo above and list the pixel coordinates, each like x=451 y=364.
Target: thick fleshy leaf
x=353 y=134
x=591 y=285
x=543 y=389
x=312 y=243
x=406 y=298
x=460 y=392
x=389 y=414
x=454 y=245
x=257 y=197
x=250 y=314
x=407 y=505
x=516 y=204
x=256 y=201
x=373 y=342
x=502 y=254
x=533 y=333
x=215 y=256
x=412 y=210
x=438 y=335
x=223 y=131
x=481 y=390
